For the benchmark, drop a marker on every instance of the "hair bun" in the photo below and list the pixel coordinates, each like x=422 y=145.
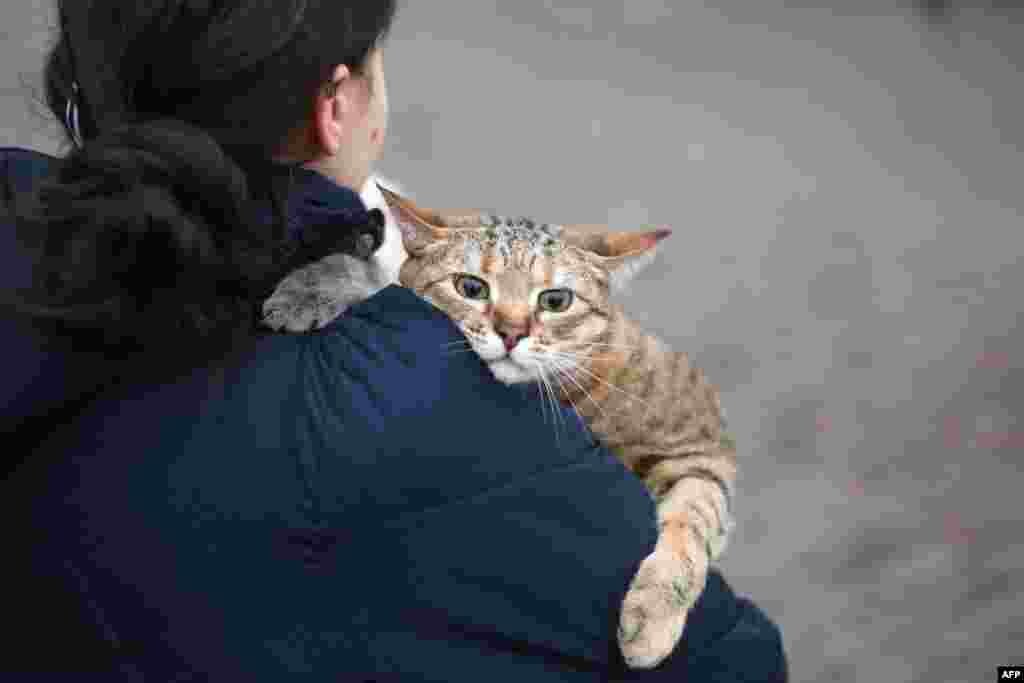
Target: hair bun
x=171 y=154
x=148 y=219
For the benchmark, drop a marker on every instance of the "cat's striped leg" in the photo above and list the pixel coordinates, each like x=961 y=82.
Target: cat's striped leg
x=693 y=524
x=697 y=490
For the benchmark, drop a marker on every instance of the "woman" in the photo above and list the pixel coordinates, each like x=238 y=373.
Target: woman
x=202 y=500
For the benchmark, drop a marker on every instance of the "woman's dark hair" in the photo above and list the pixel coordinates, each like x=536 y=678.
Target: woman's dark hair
x=142 y=234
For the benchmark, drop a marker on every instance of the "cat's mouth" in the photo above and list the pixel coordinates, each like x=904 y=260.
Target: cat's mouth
x=492 y=352
x=508 y=367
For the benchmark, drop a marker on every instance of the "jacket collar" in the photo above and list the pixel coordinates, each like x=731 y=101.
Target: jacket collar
x=315 y=205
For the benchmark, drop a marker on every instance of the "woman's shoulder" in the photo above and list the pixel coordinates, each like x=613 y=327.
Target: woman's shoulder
x=394 y=348
x=397 y=336
x=395 y=373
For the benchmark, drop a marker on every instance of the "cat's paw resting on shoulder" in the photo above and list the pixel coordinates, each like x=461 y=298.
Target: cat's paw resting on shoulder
x=313 y=296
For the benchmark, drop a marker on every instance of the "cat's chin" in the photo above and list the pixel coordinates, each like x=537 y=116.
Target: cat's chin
x=507 y=371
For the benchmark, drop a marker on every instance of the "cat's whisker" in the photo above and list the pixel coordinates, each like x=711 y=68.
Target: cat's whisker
x=602 y=381
x=583 y=356
x=561 y=369
x=556 y=404
x=574 y=356
x=540 y=382
x=455 y=343
x=549 y=393
x=565 y=393
x=618 y=389
x=591 y=348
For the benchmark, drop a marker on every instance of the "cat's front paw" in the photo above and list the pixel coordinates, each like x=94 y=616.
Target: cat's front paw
x=655 y=608
x=315 y=295
x=297 y=311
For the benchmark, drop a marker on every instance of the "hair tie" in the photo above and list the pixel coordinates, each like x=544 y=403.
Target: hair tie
x=71 y=116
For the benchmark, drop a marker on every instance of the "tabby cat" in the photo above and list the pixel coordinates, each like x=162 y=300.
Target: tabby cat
x=533 y=302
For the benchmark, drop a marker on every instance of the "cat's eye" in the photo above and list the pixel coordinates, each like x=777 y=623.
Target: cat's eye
x=471 y=287
x=555 y=300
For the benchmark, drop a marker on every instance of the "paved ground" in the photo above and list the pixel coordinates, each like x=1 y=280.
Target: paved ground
x=846 y=193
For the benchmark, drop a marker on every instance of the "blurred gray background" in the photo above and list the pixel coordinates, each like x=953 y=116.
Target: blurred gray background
x=845 y=185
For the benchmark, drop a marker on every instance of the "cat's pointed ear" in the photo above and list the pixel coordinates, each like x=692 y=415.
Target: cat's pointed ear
x=420 y=227
x=621 y=254
x=443 y=218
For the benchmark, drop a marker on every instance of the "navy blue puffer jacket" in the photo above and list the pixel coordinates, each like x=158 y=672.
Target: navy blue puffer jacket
x=346 y=505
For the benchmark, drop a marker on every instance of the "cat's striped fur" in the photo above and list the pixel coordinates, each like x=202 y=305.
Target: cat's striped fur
x=646 y=402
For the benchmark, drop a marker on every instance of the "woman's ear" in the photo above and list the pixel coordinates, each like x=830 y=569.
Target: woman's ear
x=331 y=113
x=621 y=254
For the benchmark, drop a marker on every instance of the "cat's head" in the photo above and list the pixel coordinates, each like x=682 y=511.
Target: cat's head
x=532 y=299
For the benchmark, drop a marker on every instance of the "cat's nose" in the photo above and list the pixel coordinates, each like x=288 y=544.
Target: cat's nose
x=512 y=337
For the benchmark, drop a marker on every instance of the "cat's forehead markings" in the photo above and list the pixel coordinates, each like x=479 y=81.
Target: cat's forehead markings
x=499 y=243
x=488 y=260
x=472 y=255
x=534 y=239
x=563 y=278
